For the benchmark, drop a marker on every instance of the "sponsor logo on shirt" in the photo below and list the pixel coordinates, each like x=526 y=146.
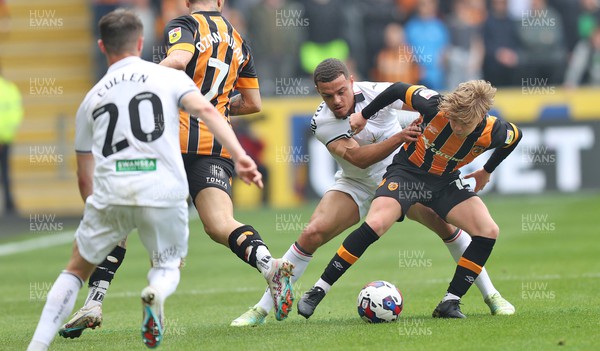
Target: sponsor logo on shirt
x=139 y=165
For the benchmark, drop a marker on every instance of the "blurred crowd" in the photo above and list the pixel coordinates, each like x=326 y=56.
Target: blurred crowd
x=431 y=42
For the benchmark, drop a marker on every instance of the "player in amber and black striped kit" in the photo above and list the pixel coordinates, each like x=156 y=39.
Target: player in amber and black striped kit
x=456 y=129
x=207 y=47
x=211 y=52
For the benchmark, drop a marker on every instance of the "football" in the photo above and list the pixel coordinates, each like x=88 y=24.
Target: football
x=379 y=302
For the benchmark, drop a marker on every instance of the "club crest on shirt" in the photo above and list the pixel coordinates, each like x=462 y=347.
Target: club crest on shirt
x=392 y=186
x=174 y=35
x=477 y=150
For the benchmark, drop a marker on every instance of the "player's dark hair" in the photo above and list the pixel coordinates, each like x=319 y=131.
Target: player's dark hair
x=212 y=4
x=120 y=30
x=329 y=69
x=201 y=1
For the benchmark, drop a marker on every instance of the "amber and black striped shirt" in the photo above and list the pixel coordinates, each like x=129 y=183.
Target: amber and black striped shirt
x=440 y=152
x=221 y=63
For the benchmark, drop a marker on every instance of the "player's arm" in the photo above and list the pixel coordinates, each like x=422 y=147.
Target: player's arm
x=85 y=174
x=179 y=38
x=194 y=103
x=397 y=91
x=177 y=59
x=246 y=102
x=367 y=155
x=508 y=137
x=83 y=149
x=505 y=138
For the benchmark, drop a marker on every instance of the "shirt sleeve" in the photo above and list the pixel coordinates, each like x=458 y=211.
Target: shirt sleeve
x=379 y=87
x=248 y=79
x=423 y=100
x=179 y=35
x=183 y=85
x=83 y=130
x=417 y=97
x=505 y=137
x=327 y=130
x=504 y=134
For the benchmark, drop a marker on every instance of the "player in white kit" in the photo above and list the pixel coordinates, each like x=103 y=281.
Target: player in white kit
x=131 y=173
x=363 y=159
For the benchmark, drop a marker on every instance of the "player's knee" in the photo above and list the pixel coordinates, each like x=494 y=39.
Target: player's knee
x=378 y=225
x=312 y=237
x=214 y=233
x=492 y=231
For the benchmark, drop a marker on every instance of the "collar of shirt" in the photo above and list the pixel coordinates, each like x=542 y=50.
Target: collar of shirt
x=123 y=62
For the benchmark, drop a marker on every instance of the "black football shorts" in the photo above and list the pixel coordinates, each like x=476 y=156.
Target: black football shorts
x=208 y=172
x=409 y=188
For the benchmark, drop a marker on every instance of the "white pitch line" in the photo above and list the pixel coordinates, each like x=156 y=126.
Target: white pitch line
x=41 y=243
x=35 y=244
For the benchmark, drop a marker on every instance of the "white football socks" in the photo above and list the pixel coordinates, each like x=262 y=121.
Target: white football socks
x=450 y=296
x=457 y=247
x=164 y=280
x=300 y=261
x=263 y=260
x=323 y=285
x=59 y=305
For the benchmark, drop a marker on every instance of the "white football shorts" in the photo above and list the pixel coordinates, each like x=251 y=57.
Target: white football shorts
x=359 y=191
x=163 y=231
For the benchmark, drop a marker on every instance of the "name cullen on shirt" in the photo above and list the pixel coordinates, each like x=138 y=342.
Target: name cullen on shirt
x=124 y=77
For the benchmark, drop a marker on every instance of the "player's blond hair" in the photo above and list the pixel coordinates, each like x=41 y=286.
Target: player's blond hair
x=471 y=100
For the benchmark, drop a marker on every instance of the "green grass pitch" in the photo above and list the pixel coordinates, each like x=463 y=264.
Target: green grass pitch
x=546 y=262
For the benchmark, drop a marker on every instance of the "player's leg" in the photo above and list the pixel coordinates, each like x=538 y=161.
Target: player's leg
x=209 y=180
x=336 y=212
x=472 y=215
x=98 y=285
x=104 y=274
x=164 y=233
x=61 y=300
x=384 y=212
x=9 y=206
x=216 y=212
x=457 y=241
x=97 y=234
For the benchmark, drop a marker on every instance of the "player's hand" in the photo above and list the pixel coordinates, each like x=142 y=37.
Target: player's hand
x=481 y=178
x=246 y=169
x=357 y=122
x=410 y=133
x=417 y=122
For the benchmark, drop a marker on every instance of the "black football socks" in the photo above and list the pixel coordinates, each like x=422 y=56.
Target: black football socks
x=352 y=248
x=470 y=264
x=104 y=274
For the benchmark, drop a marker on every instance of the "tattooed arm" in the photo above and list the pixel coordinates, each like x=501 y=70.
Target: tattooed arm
x=246 y=102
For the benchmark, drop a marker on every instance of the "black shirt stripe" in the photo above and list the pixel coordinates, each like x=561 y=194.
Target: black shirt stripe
x=437 y=143
x=209 y=75
x=193 y=135
x=411 y=149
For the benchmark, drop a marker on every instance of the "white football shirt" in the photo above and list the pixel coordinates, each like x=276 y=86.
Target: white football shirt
x=382 y=125
x=129 y=121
